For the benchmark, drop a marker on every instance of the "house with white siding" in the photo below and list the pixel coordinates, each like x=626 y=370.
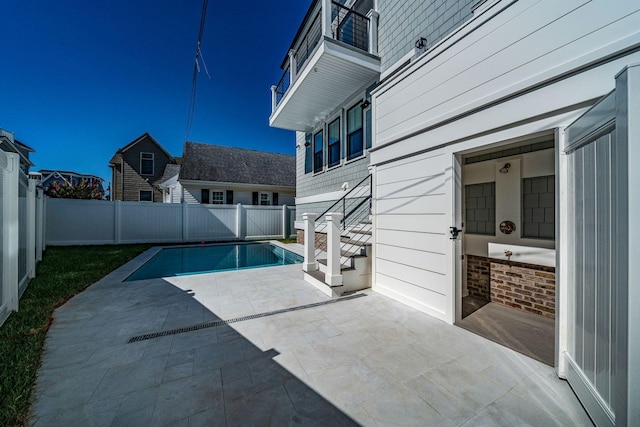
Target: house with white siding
x=501 y=159
x=215 y=174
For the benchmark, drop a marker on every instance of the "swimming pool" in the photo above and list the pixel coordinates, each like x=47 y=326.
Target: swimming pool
x=186 y=260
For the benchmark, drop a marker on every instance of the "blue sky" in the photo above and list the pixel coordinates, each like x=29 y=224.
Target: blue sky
x=79 y=78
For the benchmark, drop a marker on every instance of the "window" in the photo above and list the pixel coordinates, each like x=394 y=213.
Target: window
x=265 y=199
x=146 y=163
x=333 y=149
x=318 y=155
x=538 y=207
x=308 y=153
x=204 y=196
x=217 y=197
x=354 y=132
x=480 y=208
x=146 y=196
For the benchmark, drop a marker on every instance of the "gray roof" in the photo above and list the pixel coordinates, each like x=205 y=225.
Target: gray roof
x=170 y=171
x=204 y=162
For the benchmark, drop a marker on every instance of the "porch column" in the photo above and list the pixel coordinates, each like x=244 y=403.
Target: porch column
x=274 y=97
x=293 y=67
x=326 y=18
x=310 y=263
x=333 y=277
x=373 y=31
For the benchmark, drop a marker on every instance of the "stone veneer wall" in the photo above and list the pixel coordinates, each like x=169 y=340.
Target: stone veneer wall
x=526 y=287
x=321 y=239
x=478 y=277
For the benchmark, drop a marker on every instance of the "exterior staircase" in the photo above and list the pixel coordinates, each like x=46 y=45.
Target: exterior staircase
x=354 y=228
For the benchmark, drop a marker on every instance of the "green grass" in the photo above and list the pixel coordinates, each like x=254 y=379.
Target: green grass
x=63 y=272
x=288 y=240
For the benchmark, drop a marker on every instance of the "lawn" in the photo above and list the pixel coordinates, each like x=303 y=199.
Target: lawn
x=63 y=272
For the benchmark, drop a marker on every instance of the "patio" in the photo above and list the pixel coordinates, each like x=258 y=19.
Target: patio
x=365 y=360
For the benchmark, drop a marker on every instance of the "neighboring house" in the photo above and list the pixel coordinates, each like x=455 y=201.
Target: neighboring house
x=47 y=177
x=502 y=156
x=9 y=144
x=137 y=168
x=214 y=174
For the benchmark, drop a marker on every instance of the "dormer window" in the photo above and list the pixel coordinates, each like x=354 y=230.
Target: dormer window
x=146 y=163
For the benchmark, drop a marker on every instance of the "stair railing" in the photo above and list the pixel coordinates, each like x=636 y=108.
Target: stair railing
x=355 y=207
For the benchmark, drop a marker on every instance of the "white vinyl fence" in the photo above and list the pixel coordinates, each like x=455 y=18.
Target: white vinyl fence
x=95 y=222
x=21 y=217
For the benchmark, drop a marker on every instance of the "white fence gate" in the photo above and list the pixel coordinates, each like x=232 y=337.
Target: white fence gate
x=20 y=219
x=95 y=222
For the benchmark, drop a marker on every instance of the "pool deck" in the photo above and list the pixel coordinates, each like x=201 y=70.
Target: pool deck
x=366 y=360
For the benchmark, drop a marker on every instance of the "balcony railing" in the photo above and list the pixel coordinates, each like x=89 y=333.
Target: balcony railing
x=334 y=21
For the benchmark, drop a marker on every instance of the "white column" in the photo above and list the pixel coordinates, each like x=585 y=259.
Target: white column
x=31 y=229
x=310 y=263
x=326 y=18
x=274 y=97
x=373 y=31
x=293 y=67
x=333 y=277
x=10 y=236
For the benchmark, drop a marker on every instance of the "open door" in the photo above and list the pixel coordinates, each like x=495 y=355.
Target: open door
x=599 y=355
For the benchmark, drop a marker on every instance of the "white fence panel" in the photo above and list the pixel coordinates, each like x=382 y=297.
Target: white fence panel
x=263 y=222
x=17 y=233
x=94 y=222
x=210 y=222
x=149 y=222
x=79 y=222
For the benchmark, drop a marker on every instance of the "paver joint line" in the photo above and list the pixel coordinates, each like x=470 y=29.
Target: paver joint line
x=237 y=319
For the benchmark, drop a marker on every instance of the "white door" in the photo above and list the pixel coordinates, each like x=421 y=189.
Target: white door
x=601 y=353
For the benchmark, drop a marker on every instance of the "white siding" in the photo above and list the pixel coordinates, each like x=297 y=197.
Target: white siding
x=411 y=221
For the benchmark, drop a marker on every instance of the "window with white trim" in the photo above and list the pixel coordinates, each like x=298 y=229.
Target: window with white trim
x=217 y=197
x=265 y=199
x=355 y=134
x=146 y=163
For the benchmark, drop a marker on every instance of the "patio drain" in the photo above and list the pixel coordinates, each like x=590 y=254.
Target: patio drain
x=238 y=319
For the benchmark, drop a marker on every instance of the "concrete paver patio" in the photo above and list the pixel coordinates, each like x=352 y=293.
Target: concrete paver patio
x=367 y=360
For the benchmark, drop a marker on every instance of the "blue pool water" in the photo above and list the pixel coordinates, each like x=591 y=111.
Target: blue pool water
x=210 y=258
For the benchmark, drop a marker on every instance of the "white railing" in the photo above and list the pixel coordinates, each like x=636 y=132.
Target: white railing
x=95 y=222
x=21 y=205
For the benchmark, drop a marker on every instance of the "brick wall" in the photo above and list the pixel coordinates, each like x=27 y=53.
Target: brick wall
x=527 y=287
x=478 y=277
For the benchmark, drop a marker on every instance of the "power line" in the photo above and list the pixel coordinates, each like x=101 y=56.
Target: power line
x=196 y=68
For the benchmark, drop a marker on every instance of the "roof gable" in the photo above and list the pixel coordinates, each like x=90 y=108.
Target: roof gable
x=216 y=163
x=141 y=138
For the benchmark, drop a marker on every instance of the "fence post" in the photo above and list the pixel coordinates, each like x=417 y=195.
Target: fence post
x=10 y=236
x=31 y=229
x=185 y=222
x=39 y=223
x=310 y=263
x=239 y=231
x=285 y=222
x=117 y=221
x=333 y=277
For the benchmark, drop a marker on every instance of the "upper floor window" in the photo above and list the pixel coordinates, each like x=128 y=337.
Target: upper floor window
x=333 y=149
x=146 y=163
x=318 y=154
x=354 y=132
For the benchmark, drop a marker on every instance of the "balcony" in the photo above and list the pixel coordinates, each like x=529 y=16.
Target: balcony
x=334 y=55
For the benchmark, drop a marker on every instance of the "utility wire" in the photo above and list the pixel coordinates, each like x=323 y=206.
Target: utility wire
x=196 y=69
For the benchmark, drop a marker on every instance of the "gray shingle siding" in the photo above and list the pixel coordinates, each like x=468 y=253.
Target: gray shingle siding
x=401 y=23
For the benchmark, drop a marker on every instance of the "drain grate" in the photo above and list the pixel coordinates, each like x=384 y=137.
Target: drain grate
x=238 y=319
